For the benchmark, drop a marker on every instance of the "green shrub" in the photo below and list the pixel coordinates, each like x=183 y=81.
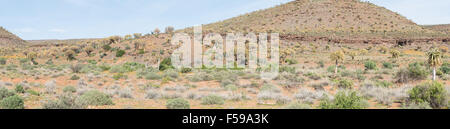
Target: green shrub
x=120 y=53
x=141 y=51
x=65 y=101
x=95 y=98
x=212 y=100
x=226 y=82
x=106 y=47
x=345 y=84
x=430 y=92
x=69 y=89
x=118 y=69
x=384 y=83
x=32 y=92
x=415 y=71
x=171 y=73
x=330 y=69
x=344 y=100
x=370 y=65
x=313 y=76
x=152 y=76
x=388 y=65
x=76 y=68
x=19 y=89
x=287 y=69
x=423 y=105
x=291 y=61
x=177 y=103
x=445 y=68
x=74 y=77
x=321 y=64
x=4 y=93
x=166 y=64
x=186 y=70
x=118 y=76
x=2 y=61
x=104 y=67
x=12 y=102
x=231 y=87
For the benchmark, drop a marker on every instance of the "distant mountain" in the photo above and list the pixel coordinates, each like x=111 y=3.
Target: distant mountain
x=323 y=18
x=445 y=28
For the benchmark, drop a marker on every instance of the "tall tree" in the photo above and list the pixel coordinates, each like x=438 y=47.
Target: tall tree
x=337 y=57
x=434 y=60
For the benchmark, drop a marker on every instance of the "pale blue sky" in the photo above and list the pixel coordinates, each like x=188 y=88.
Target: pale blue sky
x=67 y=19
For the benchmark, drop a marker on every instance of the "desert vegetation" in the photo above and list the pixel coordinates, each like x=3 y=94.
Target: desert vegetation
x=353 y=56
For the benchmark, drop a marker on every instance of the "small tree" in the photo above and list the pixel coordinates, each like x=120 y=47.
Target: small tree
x=88 y=50
x=434 y=60
x=70 y=54
x=395 y=54
x=337 y=57
x=353 y=54
x=32 y=56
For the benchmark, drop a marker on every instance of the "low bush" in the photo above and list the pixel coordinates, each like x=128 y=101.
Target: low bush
x=152 y=94
x=445 y=68
x=387 y=65
x=95 y=98
x=4 y=93
x=370 y=65
x=345 y=84
x=19 y=89
x=65 y=101
x=165 y=64
x=12 y=102
x=74 y=77
x=171 y=73
x=32 y=92
x=384 y=83
x=344 y=100
x=76 y=68
x=287 y=69
x=152 y=76
x=177 y=103
x=430 y=92
x=213 y=100
x=186 y=70
x=69 y=89
x=119 y=76
x=291 y=61
x=120 y=53
x=2 y=61
x=415 y=71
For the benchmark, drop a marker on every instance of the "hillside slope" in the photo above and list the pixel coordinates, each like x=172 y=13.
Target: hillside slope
x=7 y=39
x=324 y=18
x=445 y=28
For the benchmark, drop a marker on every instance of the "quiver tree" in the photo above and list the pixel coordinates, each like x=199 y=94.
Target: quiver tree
x=70 y=54
x=434 y=60
x=32 y=56
x=353 y=54
x=88 y=50
x=395 y=54
x=337 y=57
